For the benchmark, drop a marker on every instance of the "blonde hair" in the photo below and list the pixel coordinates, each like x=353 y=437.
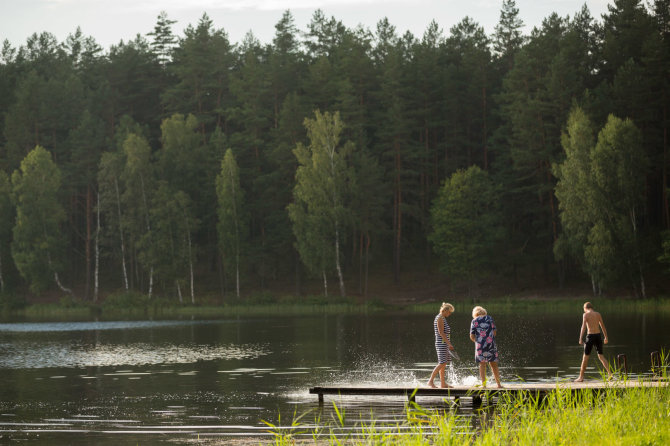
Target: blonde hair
x=446 y=306
x=478 y=311
x=588 y=305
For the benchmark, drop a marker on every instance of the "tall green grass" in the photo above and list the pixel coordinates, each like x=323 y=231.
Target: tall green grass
x=635 y=416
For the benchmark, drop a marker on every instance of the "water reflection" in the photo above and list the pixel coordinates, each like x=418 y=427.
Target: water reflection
x=186 y=380
x=27 y=355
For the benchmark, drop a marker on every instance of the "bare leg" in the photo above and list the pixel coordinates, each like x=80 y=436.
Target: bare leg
x=582 y=369
x=443 y=374
x=605 y=364
x=438 y=369
x=496 y=373
x=482 y=373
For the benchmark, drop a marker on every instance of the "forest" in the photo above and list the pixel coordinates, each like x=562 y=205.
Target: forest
x=186 y=167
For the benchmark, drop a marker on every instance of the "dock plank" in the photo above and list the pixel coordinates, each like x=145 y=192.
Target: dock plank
x=478 y=392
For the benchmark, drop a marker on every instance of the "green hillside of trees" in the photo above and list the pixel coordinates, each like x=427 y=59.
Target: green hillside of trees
x=185 y=166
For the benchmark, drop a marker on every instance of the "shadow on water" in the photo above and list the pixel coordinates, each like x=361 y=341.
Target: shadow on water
x=194 y=381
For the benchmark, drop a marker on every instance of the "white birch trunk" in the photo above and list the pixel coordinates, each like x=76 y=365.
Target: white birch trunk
x=343 y=292
x=96 y=272
x=593 y=284
x=181 y=299
x=123 y=245
x=56 y=278
x=325 y=284
x=146 y=215
x=190 y=266
x=60 y=285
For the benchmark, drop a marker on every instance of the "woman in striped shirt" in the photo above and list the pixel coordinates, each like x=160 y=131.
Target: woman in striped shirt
x=442 y=343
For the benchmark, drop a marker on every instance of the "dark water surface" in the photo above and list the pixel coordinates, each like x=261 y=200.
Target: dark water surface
x=145 y=382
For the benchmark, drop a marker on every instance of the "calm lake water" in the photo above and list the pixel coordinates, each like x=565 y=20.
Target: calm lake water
x=145 y=382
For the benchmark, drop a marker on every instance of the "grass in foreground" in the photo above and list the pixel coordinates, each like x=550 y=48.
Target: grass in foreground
x=639 y=416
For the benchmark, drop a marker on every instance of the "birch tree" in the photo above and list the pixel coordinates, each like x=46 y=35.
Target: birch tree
x=109 y=203
x=167 y=247
x=38 y=244
x=231 y=226
x=136 y=199
x=320 y=211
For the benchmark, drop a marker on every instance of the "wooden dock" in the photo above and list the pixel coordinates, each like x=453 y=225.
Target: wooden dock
x=478 y=393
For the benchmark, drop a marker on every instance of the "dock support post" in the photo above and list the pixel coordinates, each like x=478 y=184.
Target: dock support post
x=320 y=399
x=622 y=359
x=476 y=401
x=655 y=363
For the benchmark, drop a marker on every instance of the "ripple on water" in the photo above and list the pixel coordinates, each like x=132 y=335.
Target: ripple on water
x=45 y=354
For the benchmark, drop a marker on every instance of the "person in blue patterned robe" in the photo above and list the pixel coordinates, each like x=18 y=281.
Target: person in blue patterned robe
x=483 y=334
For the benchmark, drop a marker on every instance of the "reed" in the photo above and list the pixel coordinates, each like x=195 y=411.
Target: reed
x=635 y=416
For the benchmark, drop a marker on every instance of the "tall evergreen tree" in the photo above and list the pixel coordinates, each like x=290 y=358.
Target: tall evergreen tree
x=163 y=39
x=202 y=63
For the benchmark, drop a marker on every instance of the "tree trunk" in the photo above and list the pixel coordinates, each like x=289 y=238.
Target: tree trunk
x=89 y=218
x=123 y=245
x=325 y=284
x=96 y=273
x=367 y=263
x=190 y=256
x=360 y=263
x=60 y=285
x=146 y=214
x=397 y=216
x=190 y=265
x=181 y=298
x=343 y=292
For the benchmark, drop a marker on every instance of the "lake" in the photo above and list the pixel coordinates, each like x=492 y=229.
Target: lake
x=183 y=381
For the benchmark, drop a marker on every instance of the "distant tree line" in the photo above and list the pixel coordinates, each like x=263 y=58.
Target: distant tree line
x=189 y=165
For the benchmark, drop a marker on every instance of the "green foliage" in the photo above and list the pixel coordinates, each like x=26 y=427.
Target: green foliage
x=38 y=244
x=6 y=224
x=466 y=224
x=126 y=301
x=161 y=109
x=635 y=416
x=601 y=189
x=232 y=226
x=321 y=211
x=10 y=302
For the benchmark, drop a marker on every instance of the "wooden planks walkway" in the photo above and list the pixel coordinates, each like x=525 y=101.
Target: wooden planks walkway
x=477 y=393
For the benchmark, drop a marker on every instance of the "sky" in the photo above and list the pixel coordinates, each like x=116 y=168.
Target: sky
x=109 y=22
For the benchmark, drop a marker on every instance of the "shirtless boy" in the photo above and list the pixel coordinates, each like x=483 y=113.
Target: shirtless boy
x=592 y=322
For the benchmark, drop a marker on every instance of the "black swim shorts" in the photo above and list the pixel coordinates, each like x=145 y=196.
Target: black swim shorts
x=593 y=340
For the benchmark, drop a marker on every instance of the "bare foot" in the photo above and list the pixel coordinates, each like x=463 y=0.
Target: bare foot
x=500 y=386
x=579 y=380
x=446 y=386
x=432 y=385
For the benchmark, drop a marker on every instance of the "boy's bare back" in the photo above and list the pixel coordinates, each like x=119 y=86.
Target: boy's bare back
x=593 y=321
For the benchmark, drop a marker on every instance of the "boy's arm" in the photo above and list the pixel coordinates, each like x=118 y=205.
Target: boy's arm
x=602 y=325
x=581 y=330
